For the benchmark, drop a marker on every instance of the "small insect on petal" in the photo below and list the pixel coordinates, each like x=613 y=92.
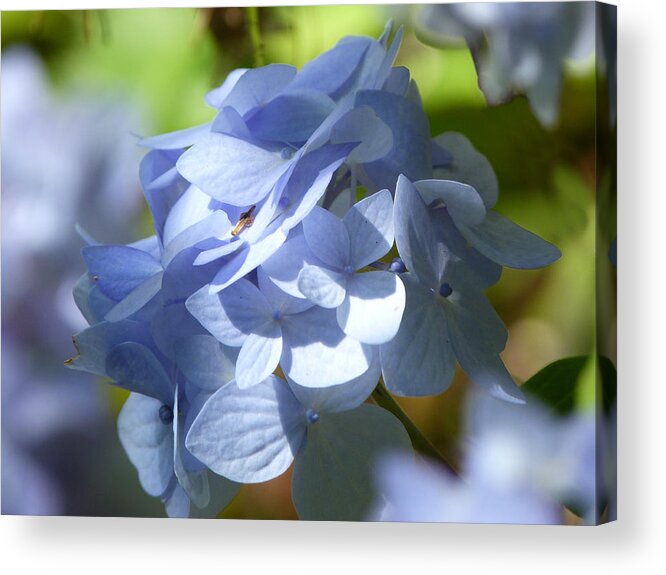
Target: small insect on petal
x=245 y=221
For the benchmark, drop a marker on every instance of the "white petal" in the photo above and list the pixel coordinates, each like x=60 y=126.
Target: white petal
x=373 y=307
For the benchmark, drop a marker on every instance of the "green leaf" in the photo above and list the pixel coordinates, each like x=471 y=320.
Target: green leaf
x=557 y=384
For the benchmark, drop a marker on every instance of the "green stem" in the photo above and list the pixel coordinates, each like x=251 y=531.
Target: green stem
x=252 y=13
x=420 y=442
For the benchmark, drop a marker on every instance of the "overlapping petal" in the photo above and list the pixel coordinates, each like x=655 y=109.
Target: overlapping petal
x=508 y=244
x=372 y=309
x=333 y=472
x=249 y=435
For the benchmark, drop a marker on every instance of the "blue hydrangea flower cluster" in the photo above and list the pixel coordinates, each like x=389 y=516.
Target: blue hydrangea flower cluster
x=309 y=240
x=518 y=47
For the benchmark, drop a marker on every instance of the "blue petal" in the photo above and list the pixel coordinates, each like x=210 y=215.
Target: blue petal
x=467 y=165
x=284 y=266
x=183 y=277
x=249 y=435
x=290 y=117
x=194 y=483
x=92 y=303
x=323 y=287
x=169 y=324
x=150 y=245
x=216 y=97
x=147 y=441
x=327 y=237
x=286 y=263
x=177 y=503
x=475 y=316
x=257 y=86
x=398 y=81
x=280 y=301
x=136 y=299
x=363 y=125
x=333 y=473
x=372 y=309
x=119 y=269
x=384 y=70
x=249 y=257
x=304 y=188
x=317 y=353
x=176 y=140
x=94 y=343
x=216 y=225
x=339 y=397
x=205 y=362
x=475 y=348
x=309 y=181
x=410 y=154
x=233 y=314
x=259 y=357
x=370 y=226
x=162 y=184
x=417 y=244
x=231 y=170
x=192 y=207
x=506 y=243
x=134 y=367
x=465 y=261
x=332 y=70
x=229 y=121
x=463 y=202
x=419 y=360
x=222 y=492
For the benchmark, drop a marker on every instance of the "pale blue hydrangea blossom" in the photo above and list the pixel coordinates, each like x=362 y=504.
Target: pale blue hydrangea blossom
x=518 y=47
x=521 y=464
x=250 y=273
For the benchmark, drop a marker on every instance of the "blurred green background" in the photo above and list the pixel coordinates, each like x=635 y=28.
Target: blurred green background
x=166 y=60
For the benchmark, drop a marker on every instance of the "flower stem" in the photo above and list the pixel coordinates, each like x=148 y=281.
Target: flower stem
x=252 y=13
x=419 y=441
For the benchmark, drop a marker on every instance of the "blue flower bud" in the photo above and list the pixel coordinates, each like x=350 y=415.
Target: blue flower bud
x=445 y=290
x=166 y=414
x=286 y=153
x=397 y=266
x=312 y=416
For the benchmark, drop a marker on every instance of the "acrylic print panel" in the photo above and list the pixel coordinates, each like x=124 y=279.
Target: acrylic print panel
x=327 y=263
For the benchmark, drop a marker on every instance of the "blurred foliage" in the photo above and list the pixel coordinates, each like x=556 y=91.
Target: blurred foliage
x=167 y=59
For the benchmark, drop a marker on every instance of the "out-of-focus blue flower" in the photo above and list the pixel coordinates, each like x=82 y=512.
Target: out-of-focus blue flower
x=368 y=305
x=43 y=189
x=40 y=408
x=67 y=158
x=255 y=434
x=518 y=47
x=416 y=491
x=520 y=465
x=529 y=446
